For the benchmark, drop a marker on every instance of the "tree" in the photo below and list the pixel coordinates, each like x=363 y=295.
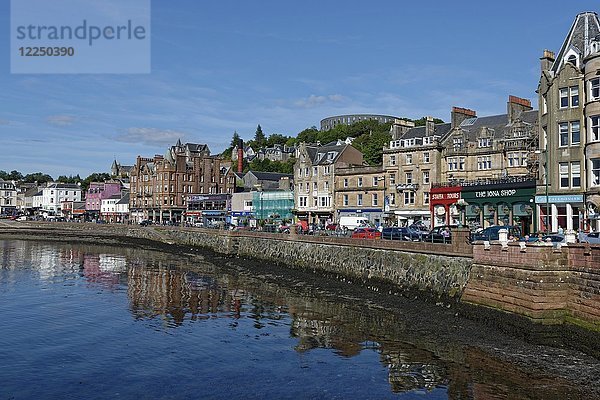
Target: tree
x=38 y=177
x=69 y=179
x=421 y=121
x=95 y=177
x=259 y=137
x=235 y=140
x=276 y=138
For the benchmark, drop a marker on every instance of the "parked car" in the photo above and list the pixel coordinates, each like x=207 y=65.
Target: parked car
x=400 y=233
x=145 y=222
x=493 y=232
x=591 y=238
x=366 y=233
x=353 y=222
x=439 y=234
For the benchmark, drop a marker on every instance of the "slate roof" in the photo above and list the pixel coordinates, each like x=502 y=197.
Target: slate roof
x=270 y=176
x=586 y=25
x=318 y=154
x=496 y=124
x=124 y=199
x=419 y=131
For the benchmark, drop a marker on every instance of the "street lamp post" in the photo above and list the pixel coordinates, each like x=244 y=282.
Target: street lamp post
x=546 y=214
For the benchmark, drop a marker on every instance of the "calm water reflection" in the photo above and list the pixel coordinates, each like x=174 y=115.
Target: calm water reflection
x=93 y=322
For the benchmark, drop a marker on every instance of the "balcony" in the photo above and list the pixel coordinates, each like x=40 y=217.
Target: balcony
x=410 y=187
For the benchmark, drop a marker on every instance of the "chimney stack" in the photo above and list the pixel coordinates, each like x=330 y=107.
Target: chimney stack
x=547 y=60
x=429 y=126
x=400 y=127
x=516 y=106
x=240 y=156
x=458 y=115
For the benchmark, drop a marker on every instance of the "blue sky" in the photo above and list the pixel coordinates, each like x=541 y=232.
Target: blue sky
x=220 y=67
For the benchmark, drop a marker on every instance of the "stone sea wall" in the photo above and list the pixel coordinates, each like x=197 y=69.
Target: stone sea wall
x=367 y=261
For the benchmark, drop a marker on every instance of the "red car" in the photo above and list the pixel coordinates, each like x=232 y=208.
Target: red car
x=366 y=233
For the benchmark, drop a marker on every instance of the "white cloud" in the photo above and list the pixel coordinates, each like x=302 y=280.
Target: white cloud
x=314 y=101
x=60 y=120
x=150 y=136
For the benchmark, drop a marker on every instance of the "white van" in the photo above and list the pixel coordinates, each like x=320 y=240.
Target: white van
x=352 y=223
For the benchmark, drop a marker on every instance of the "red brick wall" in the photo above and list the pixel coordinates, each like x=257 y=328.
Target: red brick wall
x=542 y=282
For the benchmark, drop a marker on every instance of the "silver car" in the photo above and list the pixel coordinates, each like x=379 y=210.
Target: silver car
x=592 y=238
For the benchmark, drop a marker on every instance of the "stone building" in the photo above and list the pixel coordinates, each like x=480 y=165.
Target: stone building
x=8 y=198
x=412 y=163
x=160 y=186
x=349 y=119
x=568 y=188
x=360 y=192
x=314 y=179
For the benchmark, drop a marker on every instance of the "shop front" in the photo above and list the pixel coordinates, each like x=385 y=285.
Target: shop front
x=208 y=209
x=560 y=212
x=442 y=205
x=499 y=204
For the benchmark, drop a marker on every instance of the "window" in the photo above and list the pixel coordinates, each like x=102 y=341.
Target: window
x=327 y=170
x=345 y=182
x=575 y=174
x=574 y=92
x=315 y=171
x=425 y=177
x=303 y=201
x=452 y=164
x=392 y=160
x=563 y=169
x=315 y=186
x=575 y=133
x=595 y=170
x=326 y=186
x=595 y=128
x=375 y=181
x=425 y=198
x=457 y=143
x=484 y=163
x=359 y=200
x=409 y=198
x=569 y=133
x=392 y=197
x=595 y=89
x=360 y=181
x=408 y=177
x=517 y=159
x=563 y=94
x=392 y=179
x=544 y=105
x=375 y=199
x=299 y=172
x=484 y=142
x=409 y=159
x=426 y=157
x=461 y=163
x=345 y=199
x=563 y=133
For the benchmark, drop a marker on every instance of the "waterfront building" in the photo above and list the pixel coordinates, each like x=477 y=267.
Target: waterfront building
x=412 y=164
x=273 y=205
x=50 y=198
x=25 y=191
x=208 y=209
x=241 y=207
x=314 y=179
x=73 y=210
x=349 y=119
x=568 y=188
x=8 y=198
x=108 y=208
x=360 y=191
x=96 y=193
x=267 y=180
x=160 y=186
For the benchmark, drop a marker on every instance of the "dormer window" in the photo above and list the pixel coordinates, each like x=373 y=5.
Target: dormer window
x=457 y=143
x=595 y=89
x=572 y=60
x=484 y=142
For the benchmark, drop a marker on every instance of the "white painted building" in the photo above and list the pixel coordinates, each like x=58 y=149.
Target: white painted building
x=8 y=197
x=55 y=194
x=115 y=208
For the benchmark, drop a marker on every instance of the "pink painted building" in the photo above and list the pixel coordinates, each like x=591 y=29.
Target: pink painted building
x=97 y=192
